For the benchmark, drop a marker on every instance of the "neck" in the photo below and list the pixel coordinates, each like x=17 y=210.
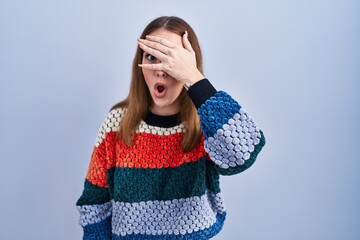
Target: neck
x=165 y=111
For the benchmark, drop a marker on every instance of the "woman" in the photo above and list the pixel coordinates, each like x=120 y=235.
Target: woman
x=154 y=171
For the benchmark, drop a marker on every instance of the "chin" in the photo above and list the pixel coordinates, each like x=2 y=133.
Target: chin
x=166 y=105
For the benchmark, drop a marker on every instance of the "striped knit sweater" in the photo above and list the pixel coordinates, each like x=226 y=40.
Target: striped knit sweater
x=153 y=190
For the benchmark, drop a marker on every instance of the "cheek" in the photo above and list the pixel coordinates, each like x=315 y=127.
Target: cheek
x=147 y=75
x=146 y=72
x=177 y=87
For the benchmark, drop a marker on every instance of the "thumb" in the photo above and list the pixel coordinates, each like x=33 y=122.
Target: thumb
x=186 y=42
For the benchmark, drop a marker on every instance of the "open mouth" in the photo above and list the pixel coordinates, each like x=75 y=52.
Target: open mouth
x=160 y=90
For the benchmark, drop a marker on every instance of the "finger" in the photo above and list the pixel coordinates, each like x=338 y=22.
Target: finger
x=159 y=55
x=155 y=45
x=186 y=42
x=157 y=67
x=163 y=41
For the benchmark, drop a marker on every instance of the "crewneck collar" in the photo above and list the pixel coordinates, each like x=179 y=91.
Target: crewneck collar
x=162 y=121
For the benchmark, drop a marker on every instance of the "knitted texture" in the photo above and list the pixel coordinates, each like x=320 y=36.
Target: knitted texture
x=231 y=134
x=153 y=190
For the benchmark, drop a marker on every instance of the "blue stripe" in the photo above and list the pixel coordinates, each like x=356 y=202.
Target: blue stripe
x=217 y=111
x=98 y=231
x=199 y=235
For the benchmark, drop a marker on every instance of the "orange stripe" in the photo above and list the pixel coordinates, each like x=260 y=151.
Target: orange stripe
x=101 y=160
x=156 y=151
x=149 y=151
x=96 y=173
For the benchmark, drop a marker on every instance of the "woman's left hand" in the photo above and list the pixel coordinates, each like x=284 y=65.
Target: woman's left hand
x=174 y=59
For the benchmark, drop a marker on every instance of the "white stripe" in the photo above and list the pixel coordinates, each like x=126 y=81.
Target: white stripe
x=178 y=216
x=233 y=144
x=110 y=124
x=90 y=214
x=144 y=127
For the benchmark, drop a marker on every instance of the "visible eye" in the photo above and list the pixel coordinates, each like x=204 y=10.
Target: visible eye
x=150 y=57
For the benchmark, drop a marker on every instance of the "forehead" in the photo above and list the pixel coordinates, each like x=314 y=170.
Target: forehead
x=171 y=36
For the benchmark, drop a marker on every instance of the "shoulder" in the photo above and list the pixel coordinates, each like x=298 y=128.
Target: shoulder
x=110 y=124
x=113 y=118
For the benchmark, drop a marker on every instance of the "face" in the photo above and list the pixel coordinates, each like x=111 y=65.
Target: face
x=164 y=89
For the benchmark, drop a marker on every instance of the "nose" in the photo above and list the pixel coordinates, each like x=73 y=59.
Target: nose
x=160 y=73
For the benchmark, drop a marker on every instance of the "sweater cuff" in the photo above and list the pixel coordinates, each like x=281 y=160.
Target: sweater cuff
x=201 y=91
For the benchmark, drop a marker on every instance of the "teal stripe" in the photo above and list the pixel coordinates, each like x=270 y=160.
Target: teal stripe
x=212 y=177
x=93 y=194
x=138 y=184
x=248 y=163
x=187 y=180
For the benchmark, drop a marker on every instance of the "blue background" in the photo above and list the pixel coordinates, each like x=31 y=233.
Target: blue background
x=293 y=65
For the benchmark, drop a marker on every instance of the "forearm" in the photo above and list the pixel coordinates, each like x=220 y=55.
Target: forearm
x=232 y=139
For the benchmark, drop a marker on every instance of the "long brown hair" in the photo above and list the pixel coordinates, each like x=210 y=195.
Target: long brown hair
x=139 y=99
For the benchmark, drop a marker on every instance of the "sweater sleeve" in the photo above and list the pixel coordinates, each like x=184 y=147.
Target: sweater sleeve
x=232 y=138
x=94 y=205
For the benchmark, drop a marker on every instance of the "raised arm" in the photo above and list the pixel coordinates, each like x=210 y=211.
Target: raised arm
x=232 y=138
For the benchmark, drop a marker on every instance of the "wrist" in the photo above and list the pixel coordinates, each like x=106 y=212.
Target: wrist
x=187 y=86
x=201 y=91
x=194 y=78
